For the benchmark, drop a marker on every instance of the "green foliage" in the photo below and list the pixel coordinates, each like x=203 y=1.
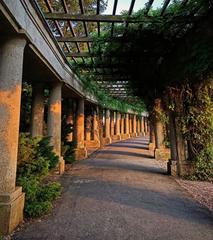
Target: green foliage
x=26 y=102
x=45 y=150
x=68 y=151
x=35 y=159
x=204 y=164
x=197 y=128
x=67 y=147
x=107 y=101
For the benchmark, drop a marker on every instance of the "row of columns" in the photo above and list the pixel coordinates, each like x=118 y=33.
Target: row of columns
x=177 y=152
x=115 y=125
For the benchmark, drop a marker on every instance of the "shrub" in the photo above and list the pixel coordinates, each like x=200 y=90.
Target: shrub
x=36 y=158
x=68 y=151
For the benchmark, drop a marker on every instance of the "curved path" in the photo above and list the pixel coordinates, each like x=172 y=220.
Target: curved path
x=120 y=193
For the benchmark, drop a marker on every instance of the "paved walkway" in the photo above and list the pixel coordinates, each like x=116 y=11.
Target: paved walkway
x=121 y=193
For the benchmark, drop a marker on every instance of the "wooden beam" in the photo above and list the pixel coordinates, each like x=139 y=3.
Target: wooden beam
x=74 y=39
x=94 y=18
x=78 y=54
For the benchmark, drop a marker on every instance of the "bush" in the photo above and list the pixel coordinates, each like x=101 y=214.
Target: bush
x=204 y=165
x=36 y=158
x=68 y=151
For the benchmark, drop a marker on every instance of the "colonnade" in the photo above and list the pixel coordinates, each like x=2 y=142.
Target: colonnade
x=99 y=127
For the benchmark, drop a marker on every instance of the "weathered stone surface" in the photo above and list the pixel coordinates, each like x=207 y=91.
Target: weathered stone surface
x=54 y=118
x=172 y=168
x=11 y=65
x=61 y=165
x=92 y=144
x=107 y=126
x=80 y=153
x=37 y=115
x=162 y=154
x=11 y=210
x=151 y=146
x=107 y=140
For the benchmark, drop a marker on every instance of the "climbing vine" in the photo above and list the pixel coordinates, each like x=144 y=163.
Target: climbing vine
x=197 y=128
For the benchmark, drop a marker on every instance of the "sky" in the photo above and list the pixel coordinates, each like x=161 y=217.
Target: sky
x=125 y=4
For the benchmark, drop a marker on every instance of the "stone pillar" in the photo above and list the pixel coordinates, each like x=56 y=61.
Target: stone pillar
x=107 y=127
x=112 y=124
x=172 y=163
x=118 y=122
x=139 y=126
x=127 y=125
x=142 y=126
x=70 y=119
x=88 y=127
x=37 y=115
x=54 y=122
x=100 y=126
x=152 y=137
x=11 y=197
x=134 y=126
x=160 y=152
x=95 y=126
x=145 y=126
x=122 y=127
x=130 y=125
x=80 y=150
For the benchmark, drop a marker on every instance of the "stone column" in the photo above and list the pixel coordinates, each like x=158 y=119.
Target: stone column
x=80 y=150
x=95 y=127
x=139 y=126
x=145 y=126
x=88 y=127
x=142 y=126
x=134 y=126
x=172 y=163
x=100 y=127
x=127 y=125
x=70 y=119
x=11 y=197
x=130 y=125
x=118 y=122
x=122 y=127
x=107 y=126
x=37 y=115
x=160 y=152
x=152 y=137
x=54 y=122
x=112 y=124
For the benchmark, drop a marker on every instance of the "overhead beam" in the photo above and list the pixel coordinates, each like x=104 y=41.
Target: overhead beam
x=95 y=18
x=74 y=39
x=78 y=54
x=114 y=18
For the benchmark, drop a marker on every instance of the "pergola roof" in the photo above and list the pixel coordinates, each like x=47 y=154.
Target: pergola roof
x=76 y=43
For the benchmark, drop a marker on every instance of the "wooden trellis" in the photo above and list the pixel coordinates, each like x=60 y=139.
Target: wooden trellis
x=109 y=79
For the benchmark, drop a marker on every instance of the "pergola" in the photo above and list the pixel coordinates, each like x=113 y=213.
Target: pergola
x=74 y=29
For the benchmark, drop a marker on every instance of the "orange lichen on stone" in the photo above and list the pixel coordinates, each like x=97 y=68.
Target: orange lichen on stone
x=9 y=130
x=56 y=107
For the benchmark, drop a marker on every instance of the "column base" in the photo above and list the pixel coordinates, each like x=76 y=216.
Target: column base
x=124 y=136
x=151 y=146
x=172 y=168
x=107 y=140
x=185 y=168
x=11 y=210
x=80 y=153
x=116 y=137
x=92 y=144
x=61 y=165
x=162 y=154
